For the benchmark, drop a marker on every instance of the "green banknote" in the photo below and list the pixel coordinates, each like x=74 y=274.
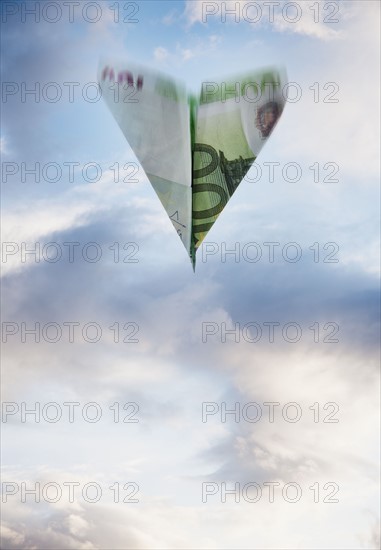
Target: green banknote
x=194 y=150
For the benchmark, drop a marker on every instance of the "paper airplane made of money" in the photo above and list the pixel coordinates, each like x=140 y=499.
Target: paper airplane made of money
x=194 y=151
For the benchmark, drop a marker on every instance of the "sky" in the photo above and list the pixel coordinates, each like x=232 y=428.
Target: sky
x=121 y=320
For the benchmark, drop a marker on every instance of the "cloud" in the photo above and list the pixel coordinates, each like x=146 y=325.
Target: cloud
x=172 y=17
x=160 y=53
x=39 y=60
x=305 y=21
x=182 y=54
x=40 y=220
x=316 y=23
x=3 y=146
x=194 y=11
x=12 y=538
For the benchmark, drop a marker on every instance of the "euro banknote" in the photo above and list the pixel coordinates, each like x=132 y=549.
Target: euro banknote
x=195 y=150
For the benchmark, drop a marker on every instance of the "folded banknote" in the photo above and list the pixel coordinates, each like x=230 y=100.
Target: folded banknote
x=195 y=151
